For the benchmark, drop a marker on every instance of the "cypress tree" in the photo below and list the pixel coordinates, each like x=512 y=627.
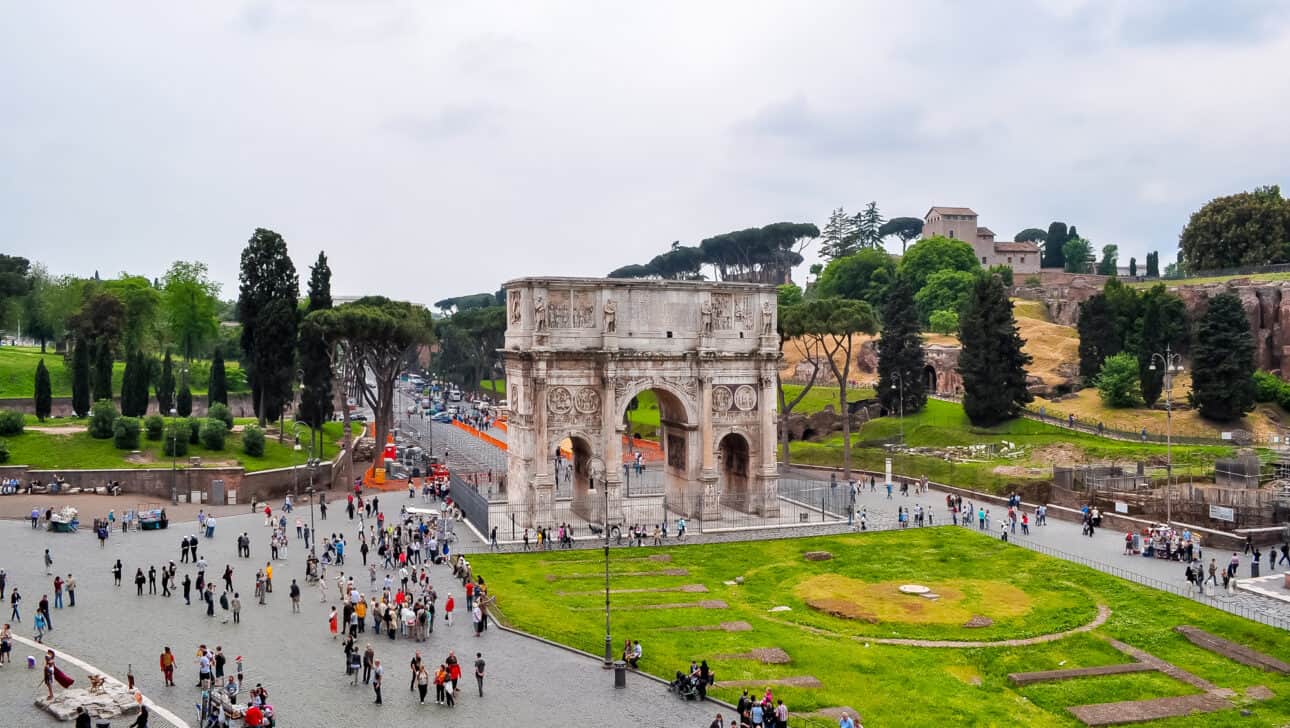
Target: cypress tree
x=1164 y=322
x=1098 y=338
x=44 y=392
x=81 y=378
x=314 y=352
x=184 y=401
x=103 y=372
x=166 y=387
x=900 y=353
x=1222 y=384
x=1053 y=242
x=991 y=363
x=128 y=386
x=1133 y=267
x=217 y=390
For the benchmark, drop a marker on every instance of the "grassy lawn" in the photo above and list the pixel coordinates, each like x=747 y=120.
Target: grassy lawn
x=18 y=373
x=942 y=424
x=43 y=450
x=495 y=387
x=1171 y=283
x=838 y=606
x=821 y=396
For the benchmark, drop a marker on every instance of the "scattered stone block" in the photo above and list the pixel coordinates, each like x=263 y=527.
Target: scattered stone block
x=764 y=655
x=817 y=555
x=113 y=701
x=1232 y=650
x=913 y=589
x=801 y=681
x=780 y=608
x=978 y=621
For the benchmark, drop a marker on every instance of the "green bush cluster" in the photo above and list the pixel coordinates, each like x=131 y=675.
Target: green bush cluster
x=253 y=441
x=213 y=434
x=154 y=425
x=4 y=451
x=175 y=442
x=102 y=418
x=125 y=433
x=220 y=411
x=1269 y=388
x=11 y=423
x=194 y=430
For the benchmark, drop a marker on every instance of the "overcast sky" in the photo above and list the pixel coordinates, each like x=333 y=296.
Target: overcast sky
x=438 y=149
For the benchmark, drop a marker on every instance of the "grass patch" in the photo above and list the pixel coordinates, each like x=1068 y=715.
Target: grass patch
x=495 y=387
x=957 y=601
x=18 y=373
x=890 y=683
x=821 y=396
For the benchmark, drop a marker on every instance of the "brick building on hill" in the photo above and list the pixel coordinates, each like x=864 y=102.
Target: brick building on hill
x=960 y=223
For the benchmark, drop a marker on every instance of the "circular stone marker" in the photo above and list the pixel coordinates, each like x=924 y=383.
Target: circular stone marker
x=913 y=589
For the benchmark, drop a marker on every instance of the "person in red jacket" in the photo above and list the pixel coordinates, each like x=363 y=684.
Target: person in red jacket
x=447 y=610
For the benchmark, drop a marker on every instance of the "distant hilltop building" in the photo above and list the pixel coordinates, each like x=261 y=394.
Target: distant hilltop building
x=960 y=223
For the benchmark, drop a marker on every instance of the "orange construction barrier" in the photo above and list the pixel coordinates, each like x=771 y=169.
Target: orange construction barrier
x=480 y=435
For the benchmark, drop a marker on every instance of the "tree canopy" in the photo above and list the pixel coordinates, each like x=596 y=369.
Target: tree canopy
x=904 y=229
x=1030 y=235
x=991 y=362
x=760 y=255
x=945 y=290
x=862 y=276
x=1245 y=229
x=930 y=255
x=1222 y=377
x=190 y=299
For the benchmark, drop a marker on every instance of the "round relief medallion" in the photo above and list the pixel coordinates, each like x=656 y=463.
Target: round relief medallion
x=587 y=401
x=721 y=398
x=559 y=400
x=745 y=397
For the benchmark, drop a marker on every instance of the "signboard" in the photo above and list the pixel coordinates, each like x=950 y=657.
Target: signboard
x=888 y=470
x=1225 y=435
x=1222 y=513
x=1121 y=507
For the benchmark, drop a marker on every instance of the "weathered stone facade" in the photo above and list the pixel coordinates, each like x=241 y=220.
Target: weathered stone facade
x=578 y=350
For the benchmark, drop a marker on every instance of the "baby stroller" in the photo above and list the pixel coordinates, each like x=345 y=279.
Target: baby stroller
x=684 y=686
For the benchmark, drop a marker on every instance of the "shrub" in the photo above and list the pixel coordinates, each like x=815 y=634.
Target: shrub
x=194 y=430
x=102 y=417
x=154 y=425
x=1267 y=387
x=944 y=322
x=175 y=441
x=253 y=441
x=1004 y=272
x=125 y=433
x=213 y=434
x=4 y=451
x=220 y=411
x=1283 y=398
x=1117 y=382
x=1033 y=282
x=11 y=423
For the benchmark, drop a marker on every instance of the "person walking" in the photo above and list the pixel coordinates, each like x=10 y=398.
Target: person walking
x=378 y=672
x=236 y=606
x=369 y=656
x=334 y=626
x=423 y=682
x=49 y=563
x=295 y=596
x=167 y=661
x=15 y=599
x=479 y=672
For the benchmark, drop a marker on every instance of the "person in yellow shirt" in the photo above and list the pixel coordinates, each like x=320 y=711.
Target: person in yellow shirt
x=268 y=577
x=360 y=609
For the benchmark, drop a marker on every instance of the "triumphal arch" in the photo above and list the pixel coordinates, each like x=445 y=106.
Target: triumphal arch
x=579 y=350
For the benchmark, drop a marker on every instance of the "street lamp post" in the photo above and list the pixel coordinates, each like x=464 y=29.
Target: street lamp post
x=597 y=468
x=900 y=387
x=174 y=456
x=1172 y=363
x=313 y=529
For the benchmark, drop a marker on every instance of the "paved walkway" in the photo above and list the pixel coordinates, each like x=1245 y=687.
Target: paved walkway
x=292 y=654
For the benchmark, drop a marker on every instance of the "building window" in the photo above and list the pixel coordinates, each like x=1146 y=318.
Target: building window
x=1023 y=260
x=983 y=260
x=1009 y=260
x=951 y=232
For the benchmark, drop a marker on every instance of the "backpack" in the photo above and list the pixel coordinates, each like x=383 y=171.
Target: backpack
x=223 y=600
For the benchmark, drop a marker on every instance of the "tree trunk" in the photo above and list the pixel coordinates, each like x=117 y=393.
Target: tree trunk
x=846 y=417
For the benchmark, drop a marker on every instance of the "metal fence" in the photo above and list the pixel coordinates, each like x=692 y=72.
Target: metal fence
x=473 y=504
x=1220 y=602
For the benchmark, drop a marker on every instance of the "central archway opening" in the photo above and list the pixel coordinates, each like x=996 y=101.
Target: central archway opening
x=666 y=459
x=929 y=379
x=732 y=452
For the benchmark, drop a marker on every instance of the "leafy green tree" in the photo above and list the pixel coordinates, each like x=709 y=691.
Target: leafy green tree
x=102 y=419
x=944 y=322
x=1245 y=229
x=81 y=378
x=1153 y=264
x=141 y=304
x=991 y=363
x=1222 y=385
x=1117 y=383
x=868 y=228
x=103 y=370
x=153 y=426
x=47 y=306
x=1163 y=323
x=1109 y=265
x=267 y=277
x=945 y=290
x=315 y=353
x=166 y=386
x=377 y=338
x=835 y=322
x=190 y=301
x=862 y=276
x=1054 y=243
x=1030 y=235
x=1078 y=254
x=900 y=353
x=125 y=433
x=184 y=400
x=217 y=389
x=44 y=392
x=935 y=254
x=100 y=318
x=792 y=324
x=1004 y=272
x=15 y=279
x=904 y=228
x=1133 y=267
x=1173 y=270
x=174 y=441
x=838 y=238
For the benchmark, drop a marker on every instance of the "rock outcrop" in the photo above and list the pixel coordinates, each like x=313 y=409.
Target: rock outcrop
x=111 y=701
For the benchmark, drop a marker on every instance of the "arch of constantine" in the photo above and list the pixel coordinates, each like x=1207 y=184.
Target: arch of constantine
x=578 y=350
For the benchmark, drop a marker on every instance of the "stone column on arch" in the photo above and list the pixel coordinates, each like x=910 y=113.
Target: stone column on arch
x=768 y=487
x=710 y=506
x=612 y=445
x=543 y=504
